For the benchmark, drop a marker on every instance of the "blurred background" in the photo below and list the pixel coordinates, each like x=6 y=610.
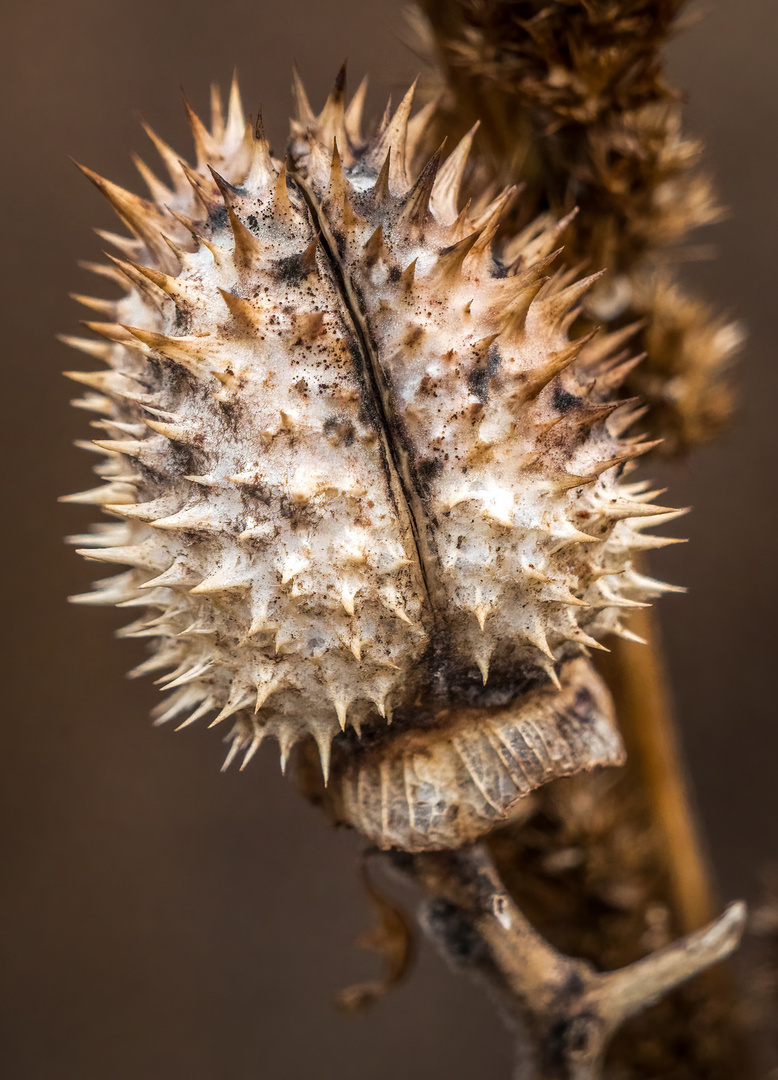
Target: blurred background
x=159 y=919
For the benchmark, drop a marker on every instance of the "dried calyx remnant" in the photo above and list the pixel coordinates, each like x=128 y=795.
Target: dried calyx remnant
x=361 y=473
x=369 y=493
x=572 y=99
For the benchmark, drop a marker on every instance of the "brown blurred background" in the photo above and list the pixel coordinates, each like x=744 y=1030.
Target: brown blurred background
x=158 y=919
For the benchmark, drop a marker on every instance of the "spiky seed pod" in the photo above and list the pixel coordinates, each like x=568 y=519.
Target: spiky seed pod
x=572 y=97
x=359 y=467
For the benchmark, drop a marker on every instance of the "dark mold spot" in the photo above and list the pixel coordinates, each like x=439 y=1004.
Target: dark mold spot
x=426 y=472
x=479 y=378
x=340 y=243
x=290 y=270
x=564 y=401
x=218 y=217
x=339 y=432
x=583 y=705
x=574 y=986
x=450 y=926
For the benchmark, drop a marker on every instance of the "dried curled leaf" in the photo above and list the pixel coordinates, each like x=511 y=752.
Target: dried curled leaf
x=392 y=937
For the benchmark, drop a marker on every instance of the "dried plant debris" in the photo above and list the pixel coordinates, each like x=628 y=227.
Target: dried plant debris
x=571 y=98
x=357 y=467
x=392 y=937
x=469 y=769
x=692 y=350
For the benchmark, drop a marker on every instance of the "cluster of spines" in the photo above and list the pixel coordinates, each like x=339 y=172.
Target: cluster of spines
x=409 y=247
x=141 y=430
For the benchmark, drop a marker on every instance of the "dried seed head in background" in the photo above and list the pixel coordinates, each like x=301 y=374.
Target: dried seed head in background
x=572 y=100
x=359 y=468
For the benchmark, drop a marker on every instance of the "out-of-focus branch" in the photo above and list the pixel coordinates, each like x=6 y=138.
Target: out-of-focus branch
x=636 y=677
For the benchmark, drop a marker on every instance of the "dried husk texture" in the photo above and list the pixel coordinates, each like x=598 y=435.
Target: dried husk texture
x=420 y=791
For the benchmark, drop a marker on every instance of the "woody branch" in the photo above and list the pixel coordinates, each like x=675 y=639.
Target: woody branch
x=565 y=1010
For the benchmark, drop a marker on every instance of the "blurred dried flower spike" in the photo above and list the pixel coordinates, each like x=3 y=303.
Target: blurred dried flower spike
x=371 y=495
x=571 y=98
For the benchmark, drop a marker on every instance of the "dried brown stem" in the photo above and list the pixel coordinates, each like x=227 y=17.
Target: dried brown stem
x=637 y=679
x=565 y=1009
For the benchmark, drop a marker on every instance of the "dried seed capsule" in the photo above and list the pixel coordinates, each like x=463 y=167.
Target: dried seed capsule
x=358 y=464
